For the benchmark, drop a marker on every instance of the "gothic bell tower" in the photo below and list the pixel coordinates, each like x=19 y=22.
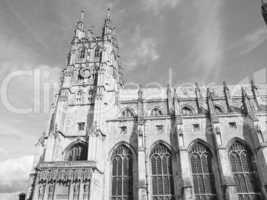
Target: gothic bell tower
x=70 y=165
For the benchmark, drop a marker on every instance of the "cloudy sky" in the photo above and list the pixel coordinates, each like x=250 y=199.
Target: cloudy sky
x=197 y=40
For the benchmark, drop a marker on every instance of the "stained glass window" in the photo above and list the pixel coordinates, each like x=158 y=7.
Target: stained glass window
x=203 y=178
x=162 y=179
x=122 y=174
x=244 y=172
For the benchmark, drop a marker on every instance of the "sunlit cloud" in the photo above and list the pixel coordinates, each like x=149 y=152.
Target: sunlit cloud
x=209 y=36
x=250 y=41
x=139 y=51
x=14 y=174
x=156 y=6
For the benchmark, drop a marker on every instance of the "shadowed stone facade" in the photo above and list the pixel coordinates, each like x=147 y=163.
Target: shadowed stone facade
x=107 y=142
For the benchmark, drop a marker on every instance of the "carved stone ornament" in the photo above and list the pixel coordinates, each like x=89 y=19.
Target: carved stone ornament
x=64 y=175
x=85 y=72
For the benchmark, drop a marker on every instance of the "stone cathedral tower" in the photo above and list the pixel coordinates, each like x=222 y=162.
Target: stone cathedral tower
x=185 y=143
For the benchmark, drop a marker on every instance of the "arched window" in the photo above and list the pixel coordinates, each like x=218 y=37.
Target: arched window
x=244 y=171
x=82 y=55
x=127 y=113
x=187 y=111
x=203 y=178
x=97 y=52
x=77 y=152
x=162 y=179
x=122 y=174
x=156 y=112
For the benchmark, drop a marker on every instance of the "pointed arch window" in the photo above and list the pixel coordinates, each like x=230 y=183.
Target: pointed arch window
x=244 y=172
x=77 y=152
x=156 y=112
x=187 y=111
x=127 y=113
x=122 y=174
x=162 y=178
x=203 y=178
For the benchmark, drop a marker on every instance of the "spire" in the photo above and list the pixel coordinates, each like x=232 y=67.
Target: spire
x=177 y=108
x=247 y=105
x=140 y=105
x=211 y=107
x=170 y=99
x=82 y=15
x=107 y=29
x=254 y=89
x=79 y=28
x=199 y=97
x=227 y=96
x=108 y=15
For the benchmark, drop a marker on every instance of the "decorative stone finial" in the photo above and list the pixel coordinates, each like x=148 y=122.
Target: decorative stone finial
x=82 y=15
x=108 y=15
x=227 y=96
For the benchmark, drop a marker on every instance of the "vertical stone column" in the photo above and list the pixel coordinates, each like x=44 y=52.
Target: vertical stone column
x=142 y=170
x=261 y=153
x=71 y=190
x=81 y=190
x=96 y=188
x=186 y=183
x=142 y=179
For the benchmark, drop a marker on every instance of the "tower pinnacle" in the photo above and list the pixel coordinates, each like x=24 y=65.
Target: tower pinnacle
x=108 y=14
x=82 y=15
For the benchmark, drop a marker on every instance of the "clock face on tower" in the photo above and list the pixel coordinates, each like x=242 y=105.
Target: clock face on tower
x=85 y=73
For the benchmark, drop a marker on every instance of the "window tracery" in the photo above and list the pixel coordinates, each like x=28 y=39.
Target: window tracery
x=203 y=178
x=162 y=178
x=245 y=174
x=122 y=174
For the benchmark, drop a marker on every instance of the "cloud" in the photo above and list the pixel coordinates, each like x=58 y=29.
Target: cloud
x=158 y=5
x=9 y=196
x=14 y=174
x=250 y=41
x=142 y=51
x=207 y=51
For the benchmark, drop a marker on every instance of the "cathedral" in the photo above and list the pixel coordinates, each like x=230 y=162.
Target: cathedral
x=108 y=142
